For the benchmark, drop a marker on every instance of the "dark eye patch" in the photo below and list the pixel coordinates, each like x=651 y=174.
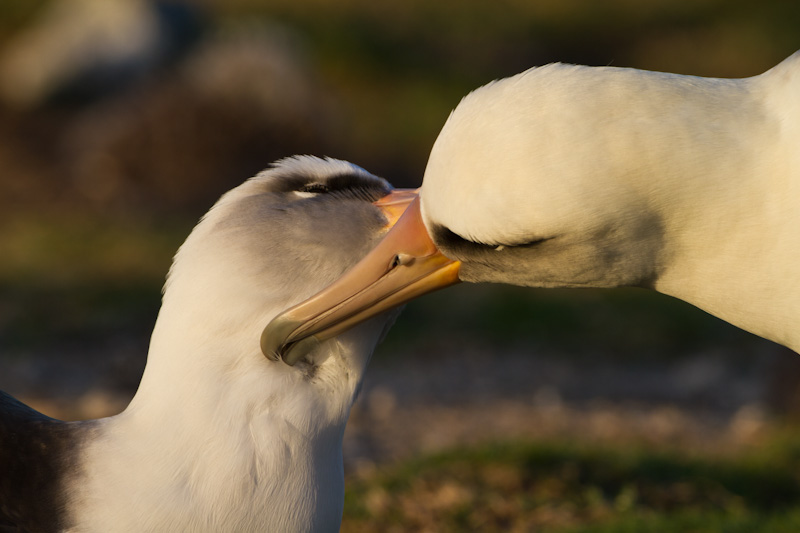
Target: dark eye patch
x=316 y=188
x=455 y=243
x=345 y=185
x=356 y=186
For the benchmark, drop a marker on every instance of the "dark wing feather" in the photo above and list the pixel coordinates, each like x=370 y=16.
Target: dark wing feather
x=36 y=455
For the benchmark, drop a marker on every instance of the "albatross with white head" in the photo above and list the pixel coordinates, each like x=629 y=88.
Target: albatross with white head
x=219 y=437
x=572 y=176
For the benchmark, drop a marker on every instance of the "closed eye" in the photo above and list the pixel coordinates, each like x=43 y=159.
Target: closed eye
x=312 y=189
x=354 y=186
x=443 y=237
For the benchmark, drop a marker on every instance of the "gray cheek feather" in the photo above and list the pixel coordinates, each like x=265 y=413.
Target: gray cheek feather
x=611 y=257
x=316 y=238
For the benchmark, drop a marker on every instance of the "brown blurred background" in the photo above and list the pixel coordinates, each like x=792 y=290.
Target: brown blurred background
x=121 y=121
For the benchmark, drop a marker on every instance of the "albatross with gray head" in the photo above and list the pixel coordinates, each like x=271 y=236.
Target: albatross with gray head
x=219 y=437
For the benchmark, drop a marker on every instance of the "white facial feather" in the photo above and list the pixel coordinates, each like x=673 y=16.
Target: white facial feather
x=218 y=437
x=681 y=183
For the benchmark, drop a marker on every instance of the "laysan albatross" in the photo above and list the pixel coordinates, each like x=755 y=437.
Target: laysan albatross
x=219 y=437
x=573 y=176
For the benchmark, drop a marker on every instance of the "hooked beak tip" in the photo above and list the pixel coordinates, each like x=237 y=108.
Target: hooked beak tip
x=404 y=265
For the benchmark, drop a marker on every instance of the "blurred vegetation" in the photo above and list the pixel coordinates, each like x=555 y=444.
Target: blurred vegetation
x=622 y=324
x=68 y=282
x=580 y=487
x=399 y=67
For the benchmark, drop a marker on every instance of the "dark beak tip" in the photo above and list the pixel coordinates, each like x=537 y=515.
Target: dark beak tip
x=275 y=335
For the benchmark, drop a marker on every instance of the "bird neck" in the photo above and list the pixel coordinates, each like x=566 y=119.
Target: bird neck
x=178 y=473
x=742 y=270
x=206 y=434
x=733 y=246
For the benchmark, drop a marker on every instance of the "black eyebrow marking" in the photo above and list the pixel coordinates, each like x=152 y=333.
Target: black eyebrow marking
x=346 y=184
x=447 y=239
x=315 y=188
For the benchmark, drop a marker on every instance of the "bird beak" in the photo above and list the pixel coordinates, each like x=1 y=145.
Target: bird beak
x=404 y=265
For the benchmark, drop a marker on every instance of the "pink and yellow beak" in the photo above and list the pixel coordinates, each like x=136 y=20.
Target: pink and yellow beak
x=404 y=265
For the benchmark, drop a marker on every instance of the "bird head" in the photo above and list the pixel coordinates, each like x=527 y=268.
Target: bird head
x=265 y=246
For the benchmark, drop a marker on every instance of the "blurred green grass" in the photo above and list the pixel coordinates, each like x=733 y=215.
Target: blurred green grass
x=581 y=487
x=622 y=324
x=42 y=248
x=68 y=280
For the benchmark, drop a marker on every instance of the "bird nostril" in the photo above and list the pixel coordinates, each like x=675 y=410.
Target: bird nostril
x=401 y=260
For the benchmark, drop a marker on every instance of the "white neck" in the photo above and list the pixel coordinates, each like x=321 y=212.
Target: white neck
x=218 y=436
x=734 y=240
x=215 y=441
